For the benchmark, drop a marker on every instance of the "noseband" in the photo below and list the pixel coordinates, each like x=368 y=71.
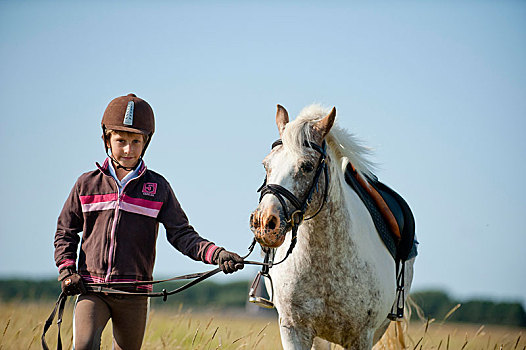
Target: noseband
x=296 y=217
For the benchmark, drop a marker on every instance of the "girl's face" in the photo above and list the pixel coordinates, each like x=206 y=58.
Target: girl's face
x=126 y=147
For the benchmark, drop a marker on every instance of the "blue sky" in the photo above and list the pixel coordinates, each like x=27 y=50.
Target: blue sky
x=437 y=89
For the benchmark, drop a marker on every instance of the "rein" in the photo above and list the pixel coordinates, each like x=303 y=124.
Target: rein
x=108 y=288
x=293 y=221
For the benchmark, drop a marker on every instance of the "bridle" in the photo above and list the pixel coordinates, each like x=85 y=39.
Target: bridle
x=293 y=220
x=297 y=216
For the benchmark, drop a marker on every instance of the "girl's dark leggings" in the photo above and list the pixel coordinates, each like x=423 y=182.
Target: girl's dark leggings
x=92 y=312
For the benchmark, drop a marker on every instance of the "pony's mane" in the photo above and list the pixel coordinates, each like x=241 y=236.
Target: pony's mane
x=342 y=144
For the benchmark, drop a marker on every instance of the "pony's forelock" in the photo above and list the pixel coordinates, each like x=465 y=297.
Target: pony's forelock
x=342 y=144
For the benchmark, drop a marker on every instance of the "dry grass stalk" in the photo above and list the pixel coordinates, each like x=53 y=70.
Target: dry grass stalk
x=455 y=308
x=195 y=336
x=479 y=331
x=418 y=343
x=262 y=329
x=517 y=342
x=21 y=326
x=465 y=342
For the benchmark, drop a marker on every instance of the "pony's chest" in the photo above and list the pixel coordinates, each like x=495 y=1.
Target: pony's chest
x=329 y=283
x=330 y=293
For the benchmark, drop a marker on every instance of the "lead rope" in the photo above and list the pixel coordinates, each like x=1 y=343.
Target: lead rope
x=106 y=288
x=59 y=306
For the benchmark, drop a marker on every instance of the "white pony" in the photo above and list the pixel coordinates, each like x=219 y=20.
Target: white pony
x=338 y=283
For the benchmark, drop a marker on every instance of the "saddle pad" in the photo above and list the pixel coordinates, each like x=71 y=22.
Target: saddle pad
x=407 y=247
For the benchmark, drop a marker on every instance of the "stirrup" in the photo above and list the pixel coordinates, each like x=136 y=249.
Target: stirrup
x=259 y=300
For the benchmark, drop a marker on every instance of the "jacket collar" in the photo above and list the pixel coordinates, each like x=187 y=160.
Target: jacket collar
x=104 y=168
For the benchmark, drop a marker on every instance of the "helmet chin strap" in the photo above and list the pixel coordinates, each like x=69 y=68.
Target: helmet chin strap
x=119 y=165
x=110 y=155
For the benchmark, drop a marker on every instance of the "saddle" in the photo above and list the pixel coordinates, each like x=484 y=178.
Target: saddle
x=391 y=214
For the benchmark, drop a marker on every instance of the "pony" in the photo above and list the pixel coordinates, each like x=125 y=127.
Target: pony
x=335 y=280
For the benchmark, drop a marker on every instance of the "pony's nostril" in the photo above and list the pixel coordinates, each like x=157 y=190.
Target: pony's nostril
x=254 y=220
x=272 y=223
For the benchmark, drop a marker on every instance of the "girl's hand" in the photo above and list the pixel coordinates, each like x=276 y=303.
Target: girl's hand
x=71 y=282
x=228 y=262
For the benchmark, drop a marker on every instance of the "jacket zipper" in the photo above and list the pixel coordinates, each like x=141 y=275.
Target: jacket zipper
x=112 y=236
x=114 y=225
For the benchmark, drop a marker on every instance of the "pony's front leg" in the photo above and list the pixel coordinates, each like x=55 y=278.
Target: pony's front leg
x=321 y=344
x=295 y=338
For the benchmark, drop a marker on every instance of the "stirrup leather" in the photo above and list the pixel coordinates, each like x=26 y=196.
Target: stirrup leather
x=400 y=293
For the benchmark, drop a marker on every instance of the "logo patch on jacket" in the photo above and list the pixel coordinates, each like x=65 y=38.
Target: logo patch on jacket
x=149 y=189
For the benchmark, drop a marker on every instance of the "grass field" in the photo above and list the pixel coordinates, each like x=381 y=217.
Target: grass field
x=21 y=326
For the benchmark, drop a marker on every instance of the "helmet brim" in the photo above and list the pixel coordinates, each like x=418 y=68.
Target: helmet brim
x=125 y=128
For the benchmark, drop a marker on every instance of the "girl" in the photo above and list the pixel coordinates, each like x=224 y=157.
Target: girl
x=118 y=208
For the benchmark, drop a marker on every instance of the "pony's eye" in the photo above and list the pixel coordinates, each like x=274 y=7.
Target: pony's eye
x=307 y=167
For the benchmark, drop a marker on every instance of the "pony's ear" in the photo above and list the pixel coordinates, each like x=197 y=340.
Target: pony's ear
x=323 y=127
x=282 y=118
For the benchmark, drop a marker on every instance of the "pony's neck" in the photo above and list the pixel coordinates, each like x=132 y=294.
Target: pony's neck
x=329 y=230
x=343 y=225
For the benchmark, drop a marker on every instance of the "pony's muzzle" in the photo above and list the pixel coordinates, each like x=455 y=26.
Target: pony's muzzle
x=266 y=226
